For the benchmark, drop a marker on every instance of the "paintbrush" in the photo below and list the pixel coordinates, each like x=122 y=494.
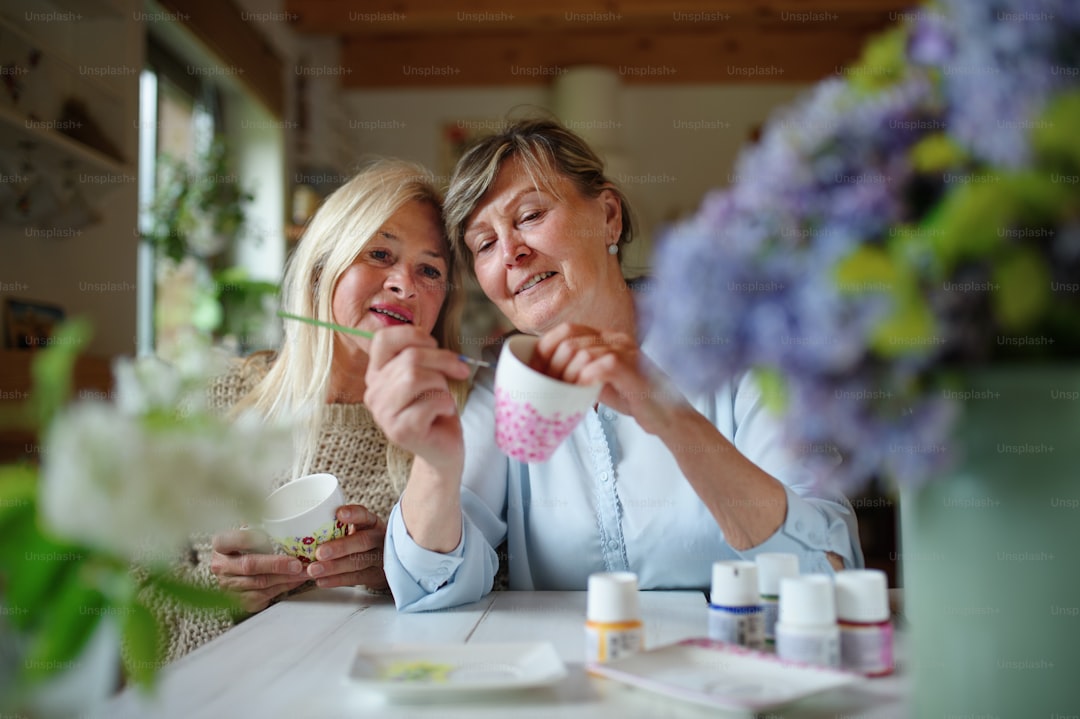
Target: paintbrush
x=364 y=333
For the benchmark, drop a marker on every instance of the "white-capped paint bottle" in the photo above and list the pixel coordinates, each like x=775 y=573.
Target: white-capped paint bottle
x=772 y=567
x=613 y=625
x=735 y=613
x=806 y=630
x=866 y=632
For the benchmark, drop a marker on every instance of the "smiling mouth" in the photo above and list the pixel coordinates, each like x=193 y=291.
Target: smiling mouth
x=393 y=315
x=535 y=280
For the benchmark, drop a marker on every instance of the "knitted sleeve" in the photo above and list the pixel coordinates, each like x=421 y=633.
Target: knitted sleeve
x=189 y=628
x=351 y=447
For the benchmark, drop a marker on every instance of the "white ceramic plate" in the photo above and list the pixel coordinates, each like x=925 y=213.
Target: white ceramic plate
x=722 y=675
x=412 y=671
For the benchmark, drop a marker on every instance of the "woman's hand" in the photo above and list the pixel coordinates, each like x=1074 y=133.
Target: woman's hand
x=632 y=385
x=355 y=559
x=408 y=394
x=247 y=569
x=748 y=503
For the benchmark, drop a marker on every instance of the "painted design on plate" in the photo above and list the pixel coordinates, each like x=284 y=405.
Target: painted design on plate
x=416 y=671
x=303 y=548
x=525 y=434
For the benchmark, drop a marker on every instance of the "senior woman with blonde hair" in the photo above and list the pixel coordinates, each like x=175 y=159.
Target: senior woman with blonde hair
x=655 y=480
x=374 y=256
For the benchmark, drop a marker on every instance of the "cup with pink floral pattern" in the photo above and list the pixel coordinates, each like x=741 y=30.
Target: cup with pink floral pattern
x=302 y=514
x=534 y=413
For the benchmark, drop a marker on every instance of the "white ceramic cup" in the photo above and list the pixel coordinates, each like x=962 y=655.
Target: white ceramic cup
x=534 y=413
x=301 y=514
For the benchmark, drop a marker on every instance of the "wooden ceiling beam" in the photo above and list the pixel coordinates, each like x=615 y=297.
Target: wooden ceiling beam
x=381 y=17
x=530 y=58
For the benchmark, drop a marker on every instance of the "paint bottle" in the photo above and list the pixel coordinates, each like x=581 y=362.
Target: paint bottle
x=772 y=567
x=735 y=613
x=613 y=626
x=806 y=630
x=866 y=632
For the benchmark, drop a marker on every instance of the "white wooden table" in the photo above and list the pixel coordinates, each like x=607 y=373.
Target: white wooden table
x=292 y=659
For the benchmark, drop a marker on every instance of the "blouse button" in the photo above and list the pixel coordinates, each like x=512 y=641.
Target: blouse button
x=609 y=415
x=613 y=544
x=603 y=476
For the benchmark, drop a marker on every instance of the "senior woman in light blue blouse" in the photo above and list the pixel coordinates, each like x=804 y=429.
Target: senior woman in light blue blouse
x=655 y=481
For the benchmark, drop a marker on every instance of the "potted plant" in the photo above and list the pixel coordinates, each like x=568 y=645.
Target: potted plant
x=898 y=262
x=198 y=213
x=199 y=208
x=89 y=539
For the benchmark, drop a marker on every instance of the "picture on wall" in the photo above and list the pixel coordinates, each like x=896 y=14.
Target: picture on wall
x=29 y=324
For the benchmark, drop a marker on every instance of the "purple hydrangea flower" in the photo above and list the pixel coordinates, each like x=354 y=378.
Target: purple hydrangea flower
x=834 y=173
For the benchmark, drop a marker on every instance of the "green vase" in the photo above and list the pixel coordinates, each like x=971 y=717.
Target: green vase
x=991 y=554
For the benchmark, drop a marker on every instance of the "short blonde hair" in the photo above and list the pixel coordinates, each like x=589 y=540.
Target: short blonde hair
x=544 y=147
x=295 y=388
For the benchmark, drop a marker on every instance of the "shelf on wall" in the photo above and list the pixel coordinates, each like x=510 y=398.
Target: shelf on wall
x=52 y=147
x=55 y=51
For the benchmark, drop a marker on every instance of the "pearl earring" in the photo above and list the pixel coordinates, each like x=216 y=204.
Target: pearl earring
x=613 y=249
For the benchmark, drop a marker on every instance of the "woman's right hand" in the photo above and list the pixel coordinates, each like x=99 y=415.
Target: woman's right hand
x=245 y=568
x=408 y=394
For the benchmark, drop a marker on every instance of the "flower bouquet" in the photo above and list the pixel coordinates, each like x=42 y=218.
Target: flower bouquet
x=913 y=218
x=898 y=263
x=87 y=537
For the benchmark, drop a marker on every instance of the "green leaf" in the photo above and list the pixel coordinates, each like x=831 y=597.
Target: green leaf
x=773 y=388
x=869 y=268
x=33 y=565
x=1022 y=293
x=1039 y=198
x=18 y=489
x=937 y=153
x=145 y=649
x=68 y=623
x=1054 y=136
x=883 y=62
x=52 y=369
x=193 y=596
x=909 y=330
x=206 y=315
x=967 y=223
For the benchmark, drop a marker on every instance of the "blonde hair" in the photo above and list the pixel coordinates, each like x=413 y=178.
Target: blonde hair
x=544 y=147
x=296 y=387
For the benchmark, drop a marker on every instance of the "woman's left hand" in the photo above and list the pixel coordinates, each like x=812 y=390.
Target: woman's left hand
x=632 y=385
x=355 y=559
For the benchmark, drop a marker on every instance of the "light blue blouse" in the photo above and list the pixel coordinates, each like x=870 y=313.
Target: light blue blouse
x=611 y=498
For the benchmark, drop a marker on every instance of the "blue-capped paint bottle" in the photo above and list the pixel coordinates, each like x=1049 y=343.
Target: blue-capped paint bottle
x=735 y=612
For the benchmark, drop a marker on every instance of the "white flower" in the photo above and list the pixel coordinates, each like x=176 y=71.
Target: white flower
x=139 y=487
x=145 y=384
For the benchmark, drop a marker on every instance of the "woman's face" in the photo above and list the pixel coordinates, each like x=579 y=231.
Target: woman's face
x=399 y=277
x=542 y=258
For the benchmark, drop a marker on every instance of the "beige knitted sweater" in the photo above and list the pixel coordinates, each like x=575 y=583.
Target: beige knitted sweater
x=351 y=447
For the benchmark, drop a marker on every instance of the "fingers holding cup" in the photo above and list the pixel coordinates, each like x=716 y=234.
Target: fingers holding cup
x=302 y=514
x=534 y=413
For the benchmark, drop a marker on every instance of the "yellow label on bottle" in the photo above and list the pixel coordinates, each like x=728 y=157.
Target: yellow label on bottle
x=605 y=641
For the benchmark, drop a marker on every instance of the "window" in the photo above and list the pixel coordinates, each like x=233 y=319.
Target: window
x=177 y=124
x=211 y=131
